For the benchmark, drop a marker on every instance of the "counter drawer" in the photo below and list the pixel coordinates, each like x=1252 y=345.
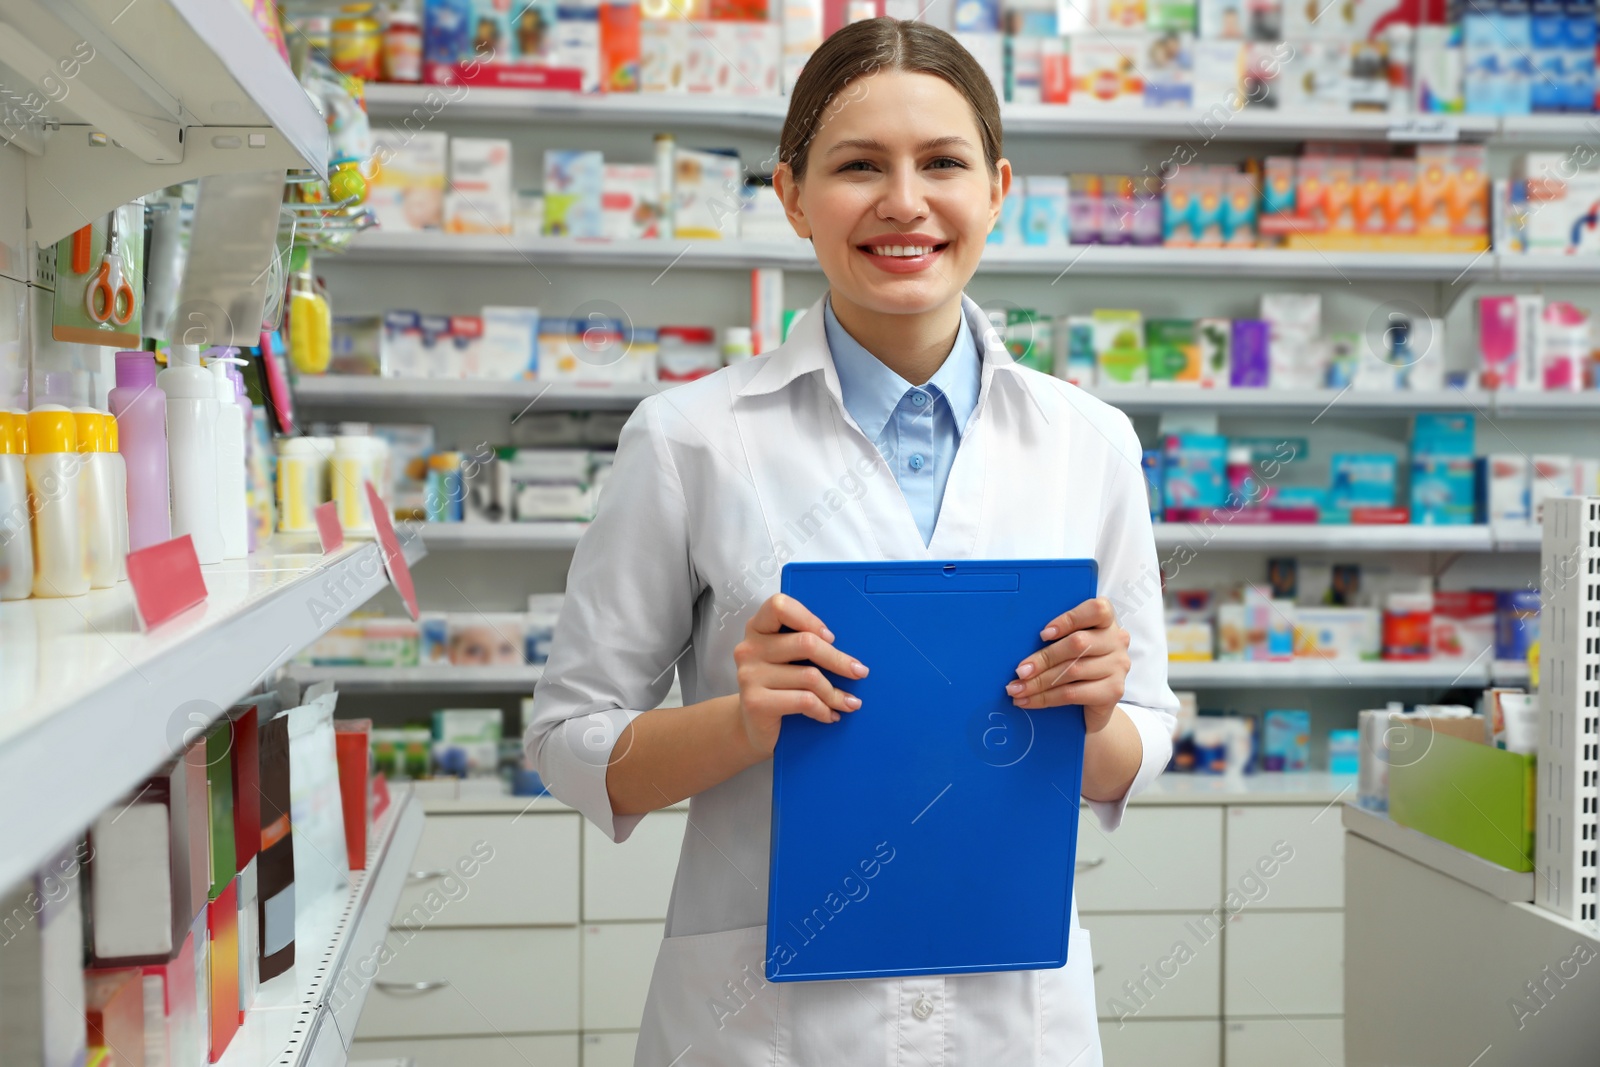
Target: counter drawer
x=1285 y=963
x=475 y=982
x=530 y=877
x=1159 y=859
x=1138 y=949
x=618 y=959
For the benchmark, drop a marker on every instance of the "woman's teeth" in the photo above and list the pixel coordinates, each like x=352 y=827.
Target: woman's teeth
x=902 y=250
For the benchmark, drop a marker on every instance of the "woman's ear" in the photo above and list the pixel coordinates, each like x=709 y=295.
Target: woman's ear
x=998 y=190
x=788 y=190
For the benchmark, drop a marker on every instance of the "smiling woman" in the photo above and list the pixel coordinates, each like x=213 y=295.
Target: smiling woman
x=892 y=424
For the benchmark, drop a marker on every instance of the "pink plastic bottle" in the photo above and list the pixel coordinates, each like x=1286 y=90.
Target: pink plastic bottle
x=140 y=408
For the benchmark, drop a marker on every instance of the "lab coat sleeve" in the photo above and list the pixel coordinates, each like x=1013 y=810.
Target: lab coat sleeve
x=1130 y=577
x=625 y=623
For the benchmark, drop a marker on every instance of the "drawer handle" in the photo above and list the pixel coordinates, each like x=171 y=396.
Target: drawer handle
x=423 y=876
x=1088 y=865
x=412 y=987
x=1099 y=967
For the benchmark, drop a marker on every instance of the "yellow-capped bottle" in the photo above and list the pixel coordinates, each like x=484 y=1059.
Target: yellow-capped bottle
x=55 y=499
x=104 y=480
x=16 y=531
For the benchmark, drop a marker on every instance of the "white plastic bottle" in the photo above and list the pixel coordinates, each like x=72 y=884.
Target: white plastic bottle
x=16 y=531
x=192 y=450
x=60 y=533
x=233 y=504
x=104 y=484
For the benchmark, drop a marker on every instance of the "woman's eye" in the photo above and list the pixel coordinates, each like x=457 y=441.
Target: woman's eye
x=856 y=164
x=946 y=162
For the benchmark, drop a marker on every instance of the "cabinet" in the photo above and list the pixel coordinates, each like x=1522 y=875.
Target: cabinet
x=550 y=949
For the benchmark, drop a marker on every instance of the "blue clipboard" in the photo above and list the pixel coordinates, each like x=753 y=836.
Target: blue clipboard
x=934 y=830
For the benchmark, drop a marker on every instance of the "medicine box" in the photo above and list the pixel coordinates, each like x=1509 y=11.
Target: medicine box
x=1286 y=741
x=479 y=200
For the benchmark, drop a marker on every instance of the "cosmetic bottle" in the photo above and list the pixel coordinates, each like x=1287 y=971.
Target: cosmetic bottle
x=192 y=450
x=233 y=507
x=140 y=410
x=16 y=531
x=55 y=498
x=103 y=483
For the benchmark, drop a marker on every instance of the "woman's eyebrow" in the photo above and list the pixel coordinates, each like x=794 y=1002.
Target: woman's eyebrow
x=869 y=144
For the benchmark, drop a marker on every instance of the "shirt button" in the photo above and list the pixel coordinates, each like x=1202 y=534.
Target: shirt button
x=922 y=1008
x=917 y=461
x=919 y=399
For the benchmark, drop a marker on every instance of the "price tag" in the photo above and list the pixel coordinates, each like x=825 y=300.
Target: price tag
x=1432 y=128
x=394 y=559
x=166 y=580
x=328 y=528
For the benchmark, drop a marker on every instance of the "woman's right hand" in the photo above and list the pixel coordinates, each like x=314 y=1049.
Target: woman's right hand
x=772 y=684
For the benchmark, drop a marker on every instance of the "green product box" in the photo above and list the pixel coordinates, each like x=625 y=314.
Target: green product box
x=1466 y=794
x=1119 y=347
x=1174 y=350
x=1028 y=338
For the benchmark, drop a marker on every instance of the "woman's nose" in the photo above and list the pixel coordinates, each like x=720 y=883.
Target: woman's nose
x=903 y=198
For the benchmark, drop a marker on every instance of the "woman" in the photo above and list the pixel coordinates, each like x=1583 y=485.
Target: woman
x=891 y=425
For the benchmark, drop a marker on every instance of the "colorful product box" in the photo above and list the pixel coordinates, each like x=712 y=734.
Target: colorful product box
x=1104 y=73
x=1248 y=350
x=1516 y=624
x=1119 y=347
x=1044 y=210
x=479 y=197
x=1360 y=480
x=1463 y=624
x=406 y=190
x=1174 y=351
x=1286 y=741
x=1168 y=69
x=1194 y=470
x=573 y=190
x=1336 y=633
x=629 y=201
x=1214 y=339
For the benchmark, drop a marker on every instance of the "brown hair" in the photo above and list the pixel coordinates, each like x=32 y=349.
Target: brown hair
x=871 y=45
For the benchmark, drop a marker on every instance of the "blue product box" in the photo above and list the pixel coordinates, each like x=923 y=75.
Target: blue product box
x=1044 y=212
x=447 y=31
x=1444 y=490
x=1298 y=496
x=1515 y=26
x=1516 y=623
x=1150 y=463
x=1195 y=470
x=1481 y=72
x=1580 y=44
x=1286 y=745
x=1547 y=31
x=1344 y=751
x=977 y=16
x=1449 y=434
x=1360 y=480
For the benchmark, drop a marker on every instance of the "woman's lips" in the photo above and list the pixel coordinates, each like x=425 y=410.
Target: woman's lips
x=902 y=264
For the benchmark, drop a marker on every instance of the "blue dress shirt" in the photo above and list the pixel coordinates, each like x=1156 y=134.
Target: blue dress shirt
x=916 y=428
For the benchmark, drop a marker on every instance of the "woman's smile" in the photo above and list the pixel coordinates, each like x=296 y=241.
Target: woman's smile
x=902 y=253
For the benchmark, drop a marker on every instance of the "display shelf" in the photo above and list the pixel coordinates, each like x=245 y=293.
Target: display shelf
x=522 y=535
x=1326 y=674
x=1540 y=405
x=433 y=679
x=355 y=391
x=1304 y=787
x=1101 y=260
x=1344 y=537
x=1520 y=267
x=306 y=1016
x=1502 y=882
x=1518 y=536
x=90 y=705
x=174 y=90
x=1558 y=130
x=765 y=114
x=1326 y=403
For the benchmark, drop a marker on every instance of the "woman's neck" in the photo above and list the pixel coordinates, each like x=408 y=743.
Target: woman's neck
x=913 y=346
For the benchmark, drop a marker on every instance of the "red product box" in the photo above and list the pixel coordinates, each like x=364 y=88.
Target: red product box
x=1379 y=516
x=352 y=740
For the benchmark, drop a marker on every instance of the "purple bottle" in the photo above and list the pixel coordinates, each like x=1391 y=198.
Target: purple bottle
x=140 y=408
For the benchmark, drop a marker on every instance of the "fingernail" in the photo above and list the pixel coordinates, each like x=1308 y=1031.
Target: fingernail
x=1025 y=671
x=1048 y=633
x=859 y=668
x=854 y=702
x=827 y=634
x=1018 y=703
x=835 y=717
x=1014 y=688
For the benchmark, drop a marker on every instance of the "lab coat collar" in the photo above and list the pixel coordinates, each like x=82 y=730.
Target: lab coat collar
x=806 y=352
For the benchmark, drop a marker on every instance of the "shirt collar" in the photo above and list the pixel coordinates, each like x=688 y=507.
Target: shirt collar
x=806 y=352
x=871 y=391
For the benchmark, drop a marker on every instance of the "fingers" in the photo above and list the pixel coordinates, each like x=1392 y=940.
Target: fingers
x=1089 y=614
x=1095 y=693
x=780 y=610
x=788 y=648
x=1075 y=646
x=788 y=689
x=1082 y=669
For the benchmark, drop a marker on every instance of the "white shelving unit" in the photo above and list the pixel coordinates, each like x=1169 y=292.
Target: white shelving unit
x=172 y=90
x=394 y=103
x=446 y=678
x=306 y=1016
x=90 y=704
x=524 y=535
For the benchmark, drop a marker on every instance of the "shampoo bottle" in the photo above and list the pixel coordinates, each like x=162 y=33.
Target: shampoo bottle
x=16 y=532
x=140 y=411
x=55 y=497
x=232 y=504
x=192 y=450
x=103 y=484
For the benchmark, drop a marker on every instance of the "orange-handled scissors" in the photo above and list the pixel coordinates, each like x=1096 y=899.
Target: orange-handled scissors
x=108 y=297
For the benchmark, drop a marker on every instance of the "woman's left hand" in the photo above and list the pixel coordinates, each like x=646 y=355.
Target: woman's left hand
x=1086 y=663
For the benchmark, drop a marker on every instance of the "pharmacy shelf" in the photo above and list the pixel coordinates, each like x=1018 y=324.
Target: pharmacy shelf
x=354 y=391
x=171 y=89
x=1198 y=537
x=1327 y=674
x=521 y=535
x=1398 y=537
x=1518 y=536
x=1551 y=130
x=1547 y=268
x=90 y=704
x=430 y=679
x=1342 y=403
x=498 y=250
x=1502 y=882
x=306 y=1016
x=425 y=104
x=1266 y=787
x=1527 y=404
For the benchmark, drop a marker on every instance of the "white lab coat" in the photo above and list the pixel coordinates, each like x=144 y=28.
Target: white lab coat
x=716 y=484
